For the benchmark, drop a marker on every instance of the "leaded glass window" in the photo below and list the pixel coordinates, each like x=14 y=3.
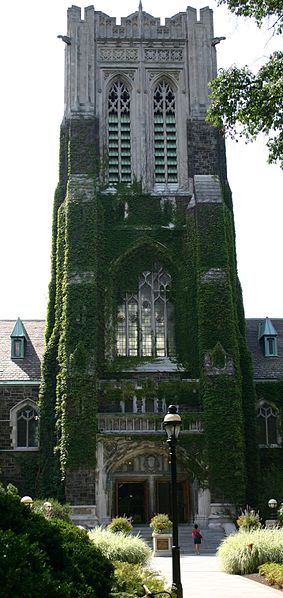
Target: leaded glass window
x=165 y=142
x=145 y=319
x=27 y=427
x=267 y=417
x=119 y=134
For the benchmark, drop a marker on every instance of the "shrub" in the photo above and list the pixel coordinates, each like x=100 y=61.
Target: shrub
x=24 y=571
x=118 y=547
x=273 y=573
x=85 y=565
x=56 y=510
x=120 y=524
x=244 y=552
x=60 y=556
x=131 y=578
x=161 y=524
x=248 y=520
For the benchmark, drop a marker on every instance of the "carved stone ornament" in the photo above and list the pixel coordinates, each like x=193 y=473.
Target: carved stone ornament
x=118 y=54
x=111 y=72
x=152 y=463
x=110 y=449
x=163 y=55
x=156 y=74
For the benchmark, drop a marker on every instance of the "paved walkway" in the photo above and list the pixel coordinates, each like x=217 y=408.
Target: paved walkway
x=202 y=578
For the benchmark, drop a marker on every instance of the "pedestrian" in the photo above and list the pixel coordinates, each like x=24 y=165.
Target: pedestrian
x=197 y=537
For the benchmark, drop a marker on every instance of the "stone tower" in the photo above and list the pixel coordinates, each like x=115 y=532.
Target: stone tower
x=145 y=308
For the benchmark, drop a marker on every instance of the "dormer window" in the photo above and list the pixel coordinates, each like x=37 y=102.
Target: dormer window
x=18 y=340
x=270 y=349
x=267 y=336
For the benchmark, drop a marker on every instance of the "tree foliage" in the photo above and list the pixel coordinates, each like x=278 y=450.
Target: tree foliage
x=259 y=10
x=244 y=104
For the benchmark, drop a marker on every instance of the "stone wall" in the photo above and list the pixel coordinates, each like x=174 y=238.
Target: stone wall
x=206 y=150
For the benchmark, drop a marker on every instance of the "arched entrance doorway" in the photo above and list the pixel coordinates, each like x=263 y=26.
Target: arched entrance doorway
x=140 y=484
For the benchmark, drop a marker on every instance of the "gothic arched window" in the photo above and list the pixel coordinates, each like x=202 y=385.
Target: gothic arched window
x=165 y=143
x=119 y=134
x=267 y=418
x=27 y=427
x=145 y=319
x=24 y=422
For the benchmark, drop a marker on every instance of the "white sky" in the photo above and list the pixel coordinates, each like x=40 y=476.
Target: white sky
x=31 y=104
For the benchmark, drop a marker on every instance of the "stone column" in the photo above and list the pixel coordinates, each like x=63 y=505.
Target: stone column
x=203 y=507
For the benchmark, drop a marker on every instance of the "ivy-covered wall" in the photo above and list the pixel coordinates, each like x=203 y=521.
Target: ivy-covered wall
x=102 y=242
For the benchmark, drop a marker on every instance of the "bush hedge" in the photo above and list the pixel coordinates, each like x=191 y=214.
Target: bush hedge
x=46 y=559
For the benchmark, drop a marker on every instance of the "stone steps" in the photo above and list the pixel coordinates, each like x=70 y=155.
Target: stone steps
x=211 y=538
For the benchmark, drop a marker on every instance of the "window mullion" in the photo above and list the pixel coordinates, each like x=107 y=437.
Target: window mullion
x=165 y=140
x=127 y=326
x=27 y=432
x=165 y=327
x=266 y=429
x=119 y=138
x=153 y=327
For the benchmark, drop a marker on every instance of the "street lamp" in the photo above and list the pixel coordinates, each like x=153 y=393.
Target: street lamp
x=172 y=424
x=272 y=503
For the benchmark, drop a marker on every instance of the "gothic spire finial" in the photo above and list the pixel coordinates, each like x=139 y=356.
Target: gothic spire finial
x=140 y=6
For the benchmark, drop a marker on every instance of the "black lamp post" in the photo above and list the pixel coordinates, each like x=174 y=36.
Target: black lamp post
x=272 y=503
x=172 y=424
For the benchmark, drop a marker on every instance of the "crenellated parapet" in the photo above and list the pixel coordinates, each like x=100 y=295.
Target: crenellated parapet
x=145 y=47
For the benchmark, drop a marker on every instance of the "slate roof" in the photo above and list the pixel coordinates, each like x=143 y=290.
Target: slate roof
x=27 y=368
x=265 y=368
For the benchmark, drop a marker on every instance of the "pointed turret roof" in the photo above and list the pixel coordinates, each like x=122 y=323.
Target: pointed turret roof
x=266 y=328
x=19 y=330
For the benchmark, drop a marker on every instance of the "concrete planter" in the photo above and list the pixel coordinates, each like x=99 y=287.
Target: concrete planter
x=162 y=544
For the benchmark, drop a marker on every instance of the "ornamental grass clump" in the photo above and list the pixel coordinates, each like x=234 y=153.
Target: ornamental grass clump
x=119 y=547
x=244 y=552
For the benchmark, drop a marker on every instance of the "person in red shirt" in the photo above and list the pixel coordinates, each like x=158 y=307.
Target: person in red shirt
x=197 y=537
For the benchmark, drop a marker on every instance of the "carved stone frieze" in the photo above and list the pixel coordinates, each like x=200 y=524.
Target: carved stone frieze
x=150 y=54
x=138 y=464
x=163 y=55
x=118 y=54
